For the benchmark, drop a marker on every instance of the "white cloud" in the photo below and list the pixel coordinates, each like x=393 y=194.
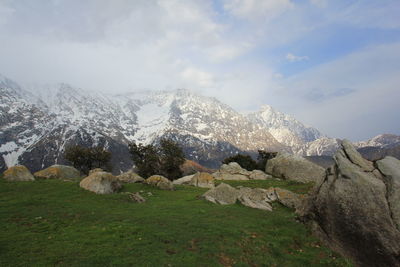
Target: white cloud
x=197 y=78
x=294 y=58
x=255 y=9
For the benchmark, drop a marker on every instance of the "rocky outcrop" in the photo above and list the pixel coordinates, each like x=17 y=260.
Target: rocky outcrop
x=351 y=209
x=101 y=183
x=130 y=177
x=18 y=173
x=233 y=171
x=58 y=172
x=296 y=168
x=223 y=194
x=390 y=168
x=160 y=182
x=256 y=198
x=202 y=179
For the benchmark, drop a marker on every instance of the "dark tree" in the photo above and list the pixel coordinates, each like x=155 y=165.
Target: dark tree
x=263 y=157
x=165 y=159
x=86 y=159
x=145 y=158
x=172 y=157
x=245 y=161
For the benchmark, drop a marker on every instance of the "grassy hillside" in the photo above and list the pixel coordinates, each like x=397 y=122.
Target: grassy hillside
x=56 y=223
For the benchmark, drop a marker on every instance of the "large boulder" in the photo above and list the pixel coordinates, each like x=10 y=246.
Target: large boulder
x=390 y=168
x=202 y=179
x=259 y=175
x=256 y=198
x=18 y=173
x=351 y=209
x=223 y=194
x=160 y=182
x=289 y=199
x=231 y=171
x=58 y=172
x=96 y=170
x=294 y=167
x=101 y=183
x=130 y=177
x=184 y=180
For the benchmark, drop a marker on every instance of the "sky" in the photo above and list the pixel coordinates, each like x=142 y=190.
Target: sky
x=332 y=64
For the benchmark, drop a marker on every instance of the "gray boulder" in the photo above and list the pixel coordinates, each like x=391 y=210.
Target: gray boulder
x=234 y=172
x=350 y=211
x=259 y=175
x=294 y=167
x=256 y=198
x=202 y=179
x=231 y=171
x=223 y=194
x=160 y=181
x=289 y=199
x=130 y=177
x=18 y=173
x=58 y=172
x=101 y=183
x=390 y=168
x=184 y=180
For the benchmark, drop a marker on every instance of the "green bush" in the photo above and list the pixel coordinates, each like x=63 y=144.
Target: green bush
x=245 y=161
x=248 y=163
x=164 y=159
x=85 y=159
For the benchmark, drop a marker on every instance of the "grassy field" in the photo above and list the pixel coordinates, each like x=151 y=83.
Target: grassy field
x=56 y=223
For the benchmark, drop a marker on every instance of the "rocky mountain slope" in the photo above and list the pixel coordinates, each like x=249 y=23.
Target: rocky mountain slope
x=38 y=123
x=35 y=129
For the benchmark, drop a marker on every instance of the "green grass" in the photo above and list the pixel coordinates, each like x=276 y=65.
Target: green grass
x=56 y=223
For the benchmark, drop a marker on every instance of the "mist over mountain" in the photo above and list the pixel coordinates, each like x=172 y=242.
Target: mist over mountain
x=38 y=123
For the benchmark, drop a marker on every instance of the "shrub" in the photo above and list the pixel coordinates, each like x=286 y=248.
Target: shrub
x=164 y=159
x=263 y=157
x=86 y=159
x=145 y=158
x=245 y=161
x=248 y=163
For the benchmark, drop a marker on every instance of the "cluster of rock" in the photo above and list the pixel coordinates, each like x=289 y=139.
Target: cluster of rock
x=58 y=172
x=257 y=198
x=233 y=171
x=200 y=179
x=21 y=173
x=356 y=208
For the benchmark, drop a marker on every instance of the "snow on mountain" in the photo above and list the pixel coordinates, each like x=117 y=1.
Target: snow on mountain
x=382 y=140
x=37 y=124
x=36 y=127
x=286 y=129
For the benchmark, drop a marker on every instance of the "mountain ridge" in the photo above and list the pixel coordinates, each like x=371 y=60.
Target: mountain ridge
x=38 y=123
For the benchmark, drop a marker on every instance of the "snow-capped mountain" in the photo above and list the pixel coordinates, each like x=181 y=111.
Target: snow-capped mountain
x=302 y=139
x=382 y=140
x=36 y=127
x=38 y=123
